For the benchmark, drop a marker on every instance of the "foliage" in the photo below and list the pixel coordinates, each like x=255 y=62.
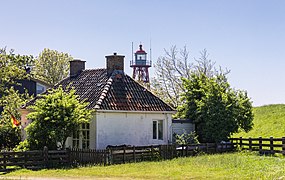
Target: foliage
x=268 y=121
x=186 y=138
x=12 y=68
x=55 y=116
x=52 y=66
x=219 y=166
x=217 y=110
x=10 y=137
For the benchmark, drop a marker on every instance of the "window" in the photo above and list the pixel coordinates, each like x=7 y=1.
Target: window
x=157 y=127
x=40 y=88
x=81 y=138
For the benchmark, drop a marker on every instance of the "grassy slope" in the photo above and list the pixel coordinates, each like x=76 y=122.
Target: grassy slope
x=268 y=121
x=220 y=166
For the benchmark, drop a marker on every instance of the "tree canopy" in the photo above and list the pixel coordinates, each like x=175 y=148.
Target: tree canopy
x=52 y=66
x=217 y=109
x=55 y=116
x=200 y=91
x=12 y=68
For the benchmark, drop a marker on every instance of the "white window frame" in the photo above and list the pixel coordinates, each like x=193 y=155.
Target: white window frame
x=81 y=138
x=157 y=129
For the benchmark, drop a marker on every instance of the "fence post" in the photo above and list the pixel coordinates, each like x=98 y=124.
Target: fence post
x=260 y=144
x=105 y=156
x=151 y=150
x=186 y=150
x=68 y=153
x=160 y=151
x=45 y=153
x=4 y=160
x=111 y=157
x=124 y=155
x=250 y=144
x=283 y=146
x=240 y=142
x=25 y=159
x=271 y=145
x=182 y=150
x=207 y=147
x=134 y=153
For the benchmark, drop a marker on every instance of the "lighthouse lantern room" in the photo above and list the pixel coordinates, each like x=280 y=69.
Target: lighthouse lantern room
x=140 y=66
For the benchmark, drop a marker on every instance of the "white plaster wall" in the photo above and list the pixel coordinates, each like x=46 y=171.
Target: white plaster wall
x=130 y=128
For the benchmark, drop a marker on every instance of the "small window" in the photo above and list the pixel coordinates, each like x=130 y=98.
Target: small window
x=40 y=88
x=157 y=126
x=154 y=127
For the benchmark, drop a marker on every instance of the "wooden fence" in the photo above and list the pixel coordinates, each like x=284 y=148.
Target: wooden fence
x=263 y=145
x=112 y=155
x=79 y=157
x=32 y=159
x=125 y=154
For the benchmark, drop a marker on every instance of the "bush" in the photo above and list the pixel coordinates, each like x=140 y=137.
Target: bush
x=186 y=138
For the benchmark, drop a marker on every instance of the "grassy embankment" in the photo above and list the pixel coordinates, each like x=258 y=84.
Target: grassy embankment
x=268 y=121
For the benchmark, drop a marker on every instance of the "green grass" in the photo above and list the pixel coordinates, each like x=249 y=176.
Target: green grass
x=268 y=121
x=220 y=166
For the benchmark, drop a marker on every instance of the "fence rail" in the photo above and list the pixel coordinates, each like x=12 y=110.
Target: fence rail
x=263 y=145
x=111 y=155
x=32 y=159
x=125 y=154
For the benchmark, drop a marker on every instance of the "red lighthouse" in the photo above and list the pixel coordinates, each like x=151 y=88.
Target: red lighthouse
x=140 y=66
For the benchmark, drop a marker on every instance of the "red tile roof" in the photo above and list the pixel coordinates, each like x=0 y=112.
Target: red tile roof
x=117 y=92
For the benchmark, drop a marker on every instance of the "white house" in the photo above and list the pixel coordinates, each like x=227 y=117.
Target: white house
x=125 y=112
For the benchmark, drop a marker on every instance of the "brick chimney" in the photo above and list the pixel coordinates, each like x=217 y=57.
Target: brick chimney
x=114 y=62
x=76 y=67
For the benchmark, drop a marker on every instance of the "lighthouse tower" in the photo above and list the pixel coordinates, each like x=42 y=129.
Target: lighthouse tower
x=140 y=66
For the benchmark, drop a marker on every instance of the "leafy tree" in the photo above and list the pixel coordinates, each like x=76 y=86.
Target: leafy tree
x=12 y=68
x=217 y=109
x=52 y=66
x=9 y=136
x=55 y=116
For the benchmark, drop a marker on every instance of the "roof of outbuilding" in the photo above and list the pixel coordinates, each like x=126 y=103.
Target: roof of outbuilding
x=117 y=92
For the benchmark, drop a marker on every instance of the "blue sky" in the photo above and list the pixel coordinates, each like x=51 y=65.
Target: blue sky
x=245 y=36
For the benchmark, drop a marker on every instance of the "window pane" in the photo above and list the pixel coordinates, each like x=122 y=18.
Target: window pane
x=75 y=143
x=160 y=129
x=154 y=128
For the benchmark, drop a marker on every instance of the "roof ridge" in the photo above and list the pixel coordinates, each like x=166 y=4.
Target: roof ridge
x=104 y=93
x=94 y=69
x=107 y=87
